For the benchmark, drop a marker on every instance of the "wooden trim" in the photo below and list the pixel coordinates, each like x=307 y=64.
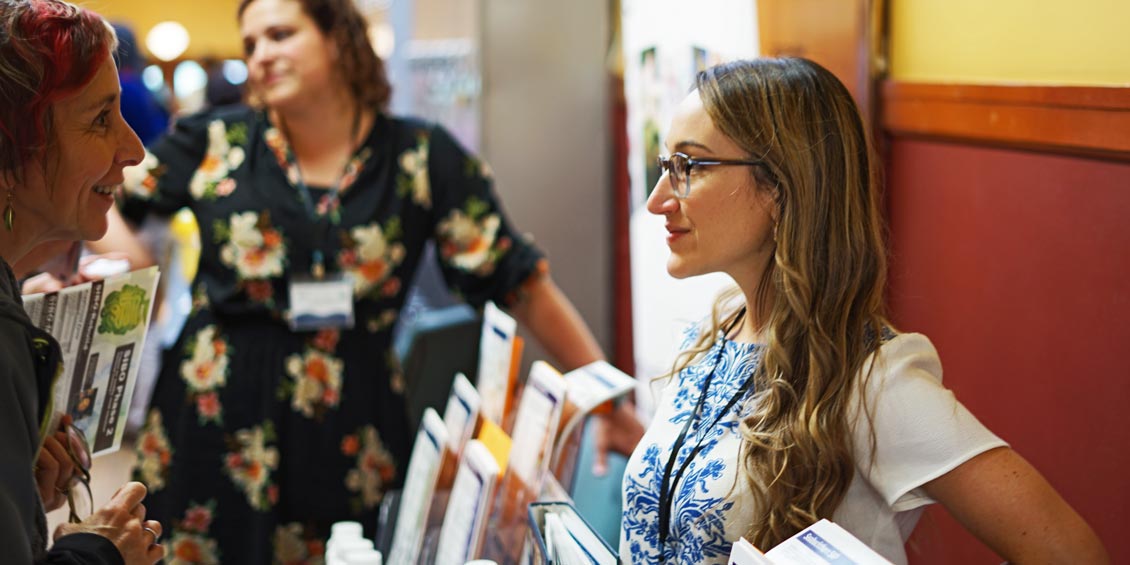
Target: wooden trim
x=1089 y=121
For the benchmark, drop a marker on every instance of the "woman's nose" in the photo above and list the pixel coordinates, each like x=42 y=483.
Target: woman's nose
x=131 y=151
x=662 y=199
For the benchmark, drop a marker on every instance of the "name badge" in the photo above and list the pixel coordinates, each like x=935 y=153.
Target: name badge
x=321 y=303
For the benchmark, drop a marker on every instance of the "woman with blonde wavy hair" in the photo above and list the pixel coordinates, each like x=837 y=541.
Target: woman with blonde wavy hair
x=798 y=400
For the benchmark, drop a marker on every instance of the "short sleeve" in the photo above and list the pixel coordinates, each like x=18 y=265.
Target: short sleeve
x=160 y=184
x=481 y=255
x=921 y=430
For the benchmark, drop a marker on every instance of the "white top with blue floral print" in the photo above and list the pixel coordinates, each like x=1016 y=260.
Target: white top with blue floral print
x=921 y=433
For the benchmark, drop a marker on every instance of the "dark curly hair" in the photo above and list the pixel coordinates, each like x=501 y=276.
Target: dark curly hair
x=49 y=50
x=359 y=66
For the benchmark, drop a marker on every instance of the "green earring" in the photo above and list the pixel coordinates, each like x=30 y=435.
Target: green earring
x=9 y=213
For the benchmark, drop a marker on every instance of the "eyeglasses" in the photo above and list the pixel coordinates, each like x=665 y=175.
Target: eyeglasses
x=678 y=167
x=81 y=503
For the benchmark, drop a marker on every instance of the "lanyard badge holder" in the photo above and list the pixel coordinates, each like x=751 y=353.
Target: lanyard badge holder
x=319 y=300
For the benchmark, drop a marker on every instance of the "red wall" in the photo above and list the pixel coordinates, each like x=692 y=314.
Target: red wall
x=1017 y=265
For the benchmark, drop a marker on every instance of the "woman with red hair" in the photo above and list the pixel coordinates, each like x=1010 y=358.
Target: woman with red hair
x=63 y=145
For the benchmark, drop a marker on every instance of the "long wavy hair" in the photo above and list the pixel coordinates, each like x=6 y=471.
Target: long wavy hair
x=359 y=67
x=49 y=50
x=826 y=283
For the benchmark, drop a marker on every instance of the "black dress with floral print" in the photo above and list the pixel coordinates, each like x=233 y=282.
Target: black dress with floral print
x=259 y=437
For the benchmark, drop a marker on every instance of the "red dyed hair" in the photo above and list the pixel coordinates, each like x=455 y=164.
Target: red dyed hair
x=49 y=50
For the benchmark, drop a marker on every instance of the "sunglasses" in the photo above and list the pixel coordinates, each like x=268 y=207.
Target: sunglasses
x=81 y=503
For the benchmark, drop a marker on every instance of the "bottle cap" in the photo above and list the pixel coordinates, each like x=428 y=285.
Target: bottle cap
x=343 y=530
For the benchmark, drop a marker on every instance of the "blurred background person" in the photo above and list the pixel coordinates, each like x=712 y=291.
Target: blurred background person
x=265 y=429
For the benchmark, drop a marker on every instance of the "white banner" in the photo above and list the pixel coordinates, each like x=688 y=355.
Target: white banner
x=666 y=42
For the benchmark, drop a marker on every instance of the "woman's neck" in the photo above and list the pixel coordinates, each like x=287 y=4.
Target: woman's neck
x=323 y=137
x=316 y=127
x=753 y=326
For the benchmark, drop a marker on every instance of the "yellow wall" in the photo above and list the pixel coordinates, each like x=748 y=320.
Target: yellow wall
x=211 y=23
x=1071 y=42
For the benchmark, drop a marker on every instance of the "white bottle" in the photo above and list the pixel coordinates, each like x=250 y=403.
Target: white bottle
x=337 y=555
x=362 y=557
x=343 y=533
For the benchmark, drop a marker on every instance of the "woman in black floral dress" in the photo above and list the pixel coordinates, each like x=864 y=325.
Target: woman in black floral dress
x=260 y=436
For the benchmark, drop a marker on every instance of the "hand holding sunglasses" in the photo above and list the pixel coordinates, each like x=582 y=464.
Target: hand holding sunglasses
x=122 y=521
x=62 y=470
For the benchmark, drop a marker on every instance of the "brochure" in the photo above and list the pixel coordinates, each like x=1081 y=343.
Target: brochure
x=101 y=327
x=823 y=543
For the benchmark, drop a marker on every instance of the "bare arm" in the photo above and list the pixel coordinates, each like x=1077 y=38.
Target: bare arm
x=122 y=238
x=556 y=324
x=1005 y=502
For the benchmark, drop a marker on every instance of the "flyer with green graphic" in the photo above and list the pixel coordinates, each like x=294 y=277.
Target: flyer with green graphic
x=101 y=327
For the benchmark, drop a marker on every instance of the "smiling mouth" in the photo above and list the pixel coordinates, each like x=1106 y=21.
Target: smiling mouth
x=106 y=190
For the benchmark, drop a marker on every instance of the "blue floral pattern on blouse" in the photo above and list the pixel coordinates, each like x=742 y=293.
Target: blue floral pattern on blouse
x=702 y=508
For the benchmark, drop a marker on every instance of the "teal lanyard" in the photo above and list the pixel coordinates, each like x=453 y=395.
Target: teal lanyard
x=322 y=223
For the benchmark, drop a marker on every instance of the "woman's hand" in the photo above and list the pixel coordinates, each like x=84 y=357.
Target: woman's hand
x=54 y=469
x=122 y=521
x=90 y=268
x=617 y=431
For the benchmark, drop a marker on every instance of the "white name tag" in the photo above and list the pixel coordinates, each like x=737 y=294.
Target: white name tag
x=321 y=303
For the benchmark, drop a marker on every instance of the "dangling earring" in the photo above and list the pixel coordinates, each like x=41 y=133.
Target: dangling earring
x=9 y=213
x=775 y=231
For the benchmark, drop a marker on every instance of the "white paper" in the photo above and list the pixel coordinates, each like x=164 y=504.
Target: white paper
x=461 y=412
x=566 y=538
x=825 y=543
x=465 y=518
x=419 y=487
x=588 y=387
x=535 y=426
x=744 y=553
x=101 y=327
x=496 y=347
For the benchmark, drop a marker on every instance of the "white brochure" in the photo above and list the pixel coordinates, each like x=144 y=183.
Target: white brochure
x=535 y=426
x=101 y=327
x=419 y=487
x=464 y=522
x=496 y=346
x=824 y=543
x=588 y=387
x=461 y=412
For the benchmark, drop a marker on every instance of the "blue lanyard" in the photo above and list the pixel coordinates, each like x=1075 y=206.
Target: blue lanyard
x=321 y=229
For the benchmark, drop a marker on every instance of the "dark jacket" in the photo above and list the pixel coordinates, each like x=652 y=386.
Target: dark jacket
x=29 y=360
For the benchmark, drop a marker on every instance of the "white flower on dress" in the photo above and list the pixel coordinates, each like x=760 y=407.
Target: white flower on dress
x=192 y=549
x=208 y=367
x=153 y=453
x=375 y=466
x=292 y=547
x=255 y=251
x=414 y=163
x=141 y=179
x=219 y=161
x=468 y=244
x=317 y=381
x=373 y=259
x=250 y=467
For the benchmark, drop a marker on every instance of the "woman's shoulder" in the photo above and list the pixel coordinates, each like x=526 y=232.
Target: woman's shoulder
x=229 y=115
x=903 y=352
x=410 y=129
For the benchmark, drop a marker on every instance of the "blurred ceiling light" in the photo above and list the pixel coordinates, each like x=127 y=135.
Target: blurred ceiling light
x=365 y=5
x=167 y=40
x=235 y=71
x=153 y=78
x=188 y=78
x=383 y=38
